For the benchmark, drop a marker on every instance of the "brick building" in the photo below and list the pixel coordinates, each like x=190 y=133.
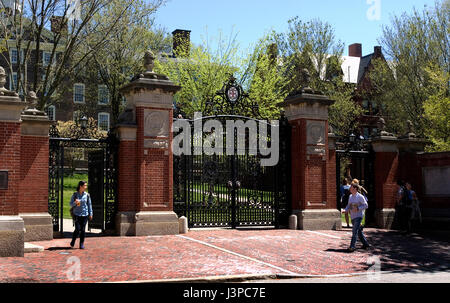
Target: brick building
x=85 y=95
x=356 y=68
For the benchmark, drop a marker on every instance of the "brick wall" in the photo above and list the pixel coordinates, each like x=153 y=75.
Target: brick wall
x=331 y=178
x=386 y=176
x=33 y=195
x=411 y=168
x=313 y=178
x=127 y=177
x=10 y=143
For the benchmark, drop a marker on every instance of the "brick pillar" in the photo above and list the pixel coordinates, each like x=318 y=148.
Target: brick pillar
x=145 y=156
x=33 y=195
x=313 y=168
x=11 y=225
x=386 y=176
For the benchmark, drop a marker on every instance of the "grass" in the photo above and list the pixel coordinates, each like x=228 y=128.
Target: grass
x=350 y=220
x=70 y=186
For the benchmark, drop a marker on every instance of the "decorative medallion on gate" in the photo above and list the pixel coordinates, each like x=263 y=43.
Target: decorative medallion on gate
x=230 y=100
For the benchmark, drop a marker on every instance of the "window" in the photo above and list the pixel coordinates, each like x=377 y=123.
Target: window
x=78 y=93
x=366 y=132
x=14 y=56
x=51 y=110
x=103 y=94
x=13 y=82
x=103 y=121
x=46 y=58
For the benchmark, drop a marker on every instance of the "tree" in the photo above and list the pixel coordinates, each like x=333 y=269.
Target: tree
x=313 y=45
x=201 y=71
x=412 y=42
x=121 y=56
x=262 y=77
x=60 y=28
x=437 y=110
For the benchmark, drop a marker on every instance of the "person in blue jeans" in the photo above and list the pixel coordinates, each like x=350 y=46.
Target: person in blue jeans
x=357 y=204
x=82 y=211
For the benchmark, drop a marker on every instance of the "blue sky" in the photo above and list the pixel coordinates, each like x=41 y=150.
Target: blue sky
x=354 y=21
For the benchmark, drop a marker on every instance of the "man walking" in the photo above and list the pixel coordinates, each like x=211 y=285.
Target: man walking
x=357 y=204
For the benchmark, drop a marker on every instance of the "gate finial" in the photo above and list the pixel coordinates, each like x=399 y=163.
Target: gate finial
x=3 y=90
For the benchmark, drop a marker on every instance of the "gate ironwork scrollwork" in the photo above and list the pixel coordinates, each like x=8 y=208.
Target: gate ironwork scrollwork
x=105 y=151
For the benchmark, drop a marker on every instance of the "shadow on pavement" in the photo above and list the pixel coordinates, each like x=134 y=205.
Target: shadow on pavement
x=59 y=248
x=406 y=253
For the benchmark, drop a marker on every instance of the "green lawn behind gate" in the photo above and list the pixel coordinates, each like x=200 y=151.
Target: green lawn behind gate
x=70 y=186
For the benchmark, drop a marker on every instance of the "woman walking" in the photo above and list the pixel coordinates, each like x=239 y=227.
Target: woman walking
x=81 y=201
x=357 y=204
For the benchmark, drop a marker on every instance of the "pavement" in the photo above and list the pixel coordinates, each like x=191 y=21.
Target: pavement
x=226 y=255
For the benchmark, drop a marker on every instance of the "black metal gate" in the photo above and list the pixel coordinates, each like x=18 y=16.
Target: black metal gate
x=233 y=190
x=102 y=179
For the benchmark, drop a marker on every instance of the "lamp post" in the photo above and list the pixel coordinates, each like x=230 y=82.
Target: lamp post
x=83 y=122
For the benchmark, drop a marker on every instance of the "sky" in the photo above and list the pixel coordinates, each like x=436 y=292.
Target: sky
x=354 y=21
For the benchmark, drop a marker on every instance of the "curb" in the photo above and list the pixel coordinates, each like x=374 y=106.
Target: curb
x=32 y=248
x=244 y=278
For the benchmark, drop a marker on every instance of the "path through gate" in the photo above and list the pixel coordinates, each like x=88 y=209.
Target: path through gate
x=102 y=179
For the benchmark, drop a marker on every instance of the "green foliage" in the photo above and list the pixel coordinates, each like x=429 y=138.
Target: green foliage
x=201 y=73
x=263 y=78
x=313 y=45
x=412 y=43
x=69 y=128
x=437 y=110
x=121 y=55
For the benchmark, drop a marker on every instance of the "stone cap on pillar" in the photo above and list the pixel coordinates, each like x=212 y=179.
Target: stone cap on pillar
x=34 y=122
x=11 y=105
x=149 y=81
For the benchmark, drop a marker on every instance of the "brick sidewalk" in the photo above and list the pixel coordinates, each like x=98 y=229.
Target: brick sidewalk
x=224 y=253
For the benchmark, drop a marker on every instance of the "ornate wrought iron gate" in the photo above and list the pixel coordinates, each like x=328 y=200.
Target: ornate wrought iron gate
x=233 y=190
x=102 y=179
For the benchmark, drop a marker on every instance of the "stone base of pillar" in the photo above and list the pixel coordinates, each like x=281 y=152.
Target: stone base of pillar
x=147 y=223
x=385 y=218
x=323 y=219
x=11 y=236
x=38 y=226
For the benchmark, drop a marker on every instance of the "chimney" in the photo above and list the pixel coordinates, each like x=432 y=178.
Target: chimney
x=377 y=51
x=181 y=42
x=355 y=50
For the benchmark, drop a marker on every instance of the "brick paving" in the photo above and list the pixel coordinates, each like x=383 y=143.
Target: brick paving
x=219 y=253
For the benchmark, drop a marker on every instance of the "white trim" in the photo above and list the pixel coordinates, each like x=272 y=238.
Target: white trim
x=44 y=63
x=11 y=57
x=98 y=120
x=51 y=108
x=84 y=93
x=11 y=81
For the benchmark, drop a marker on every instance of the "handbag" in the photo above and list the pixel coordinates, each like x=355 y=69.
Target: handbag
x=72 y=209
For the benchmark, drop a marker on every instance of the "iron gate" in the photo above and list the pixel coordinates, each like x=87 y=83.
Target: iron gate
x=223 y=190
x=102 y=179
